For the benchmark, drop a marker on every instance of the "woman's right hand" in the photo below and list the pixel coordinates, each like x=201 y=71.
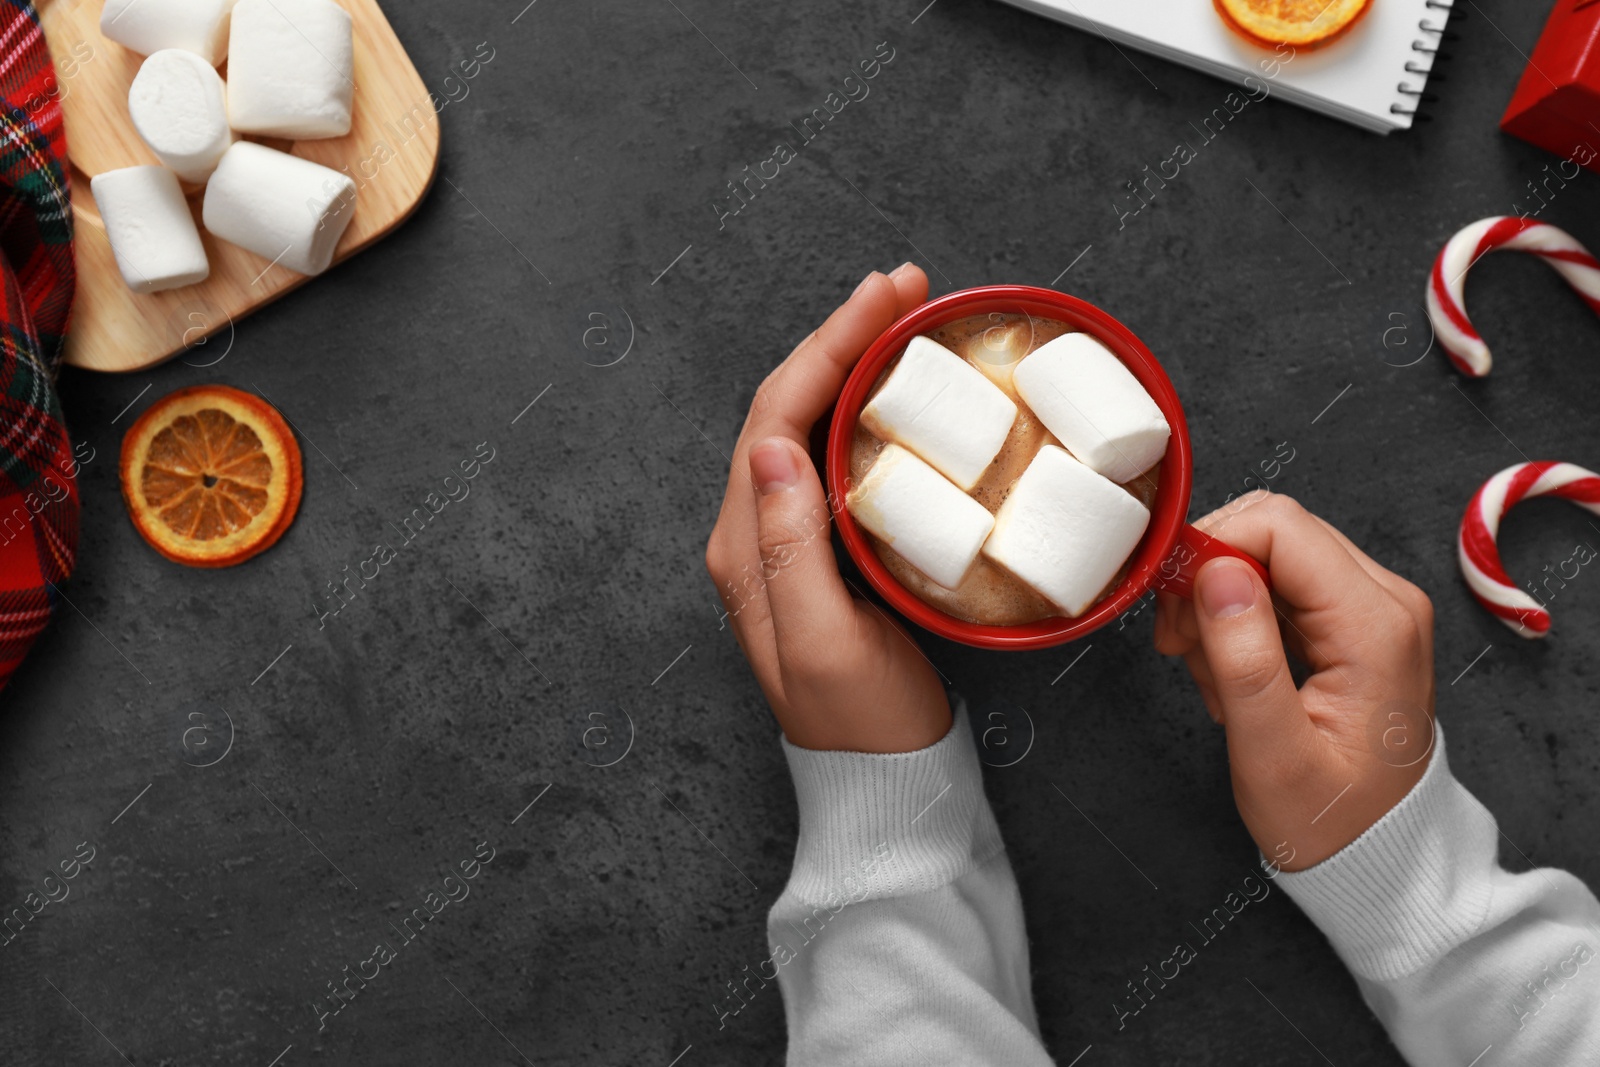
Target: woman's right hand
x=1313 y=767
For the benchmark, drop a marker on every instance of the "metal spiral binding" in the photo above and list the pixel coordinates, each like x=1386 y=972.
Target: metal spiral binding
x=1433 y=48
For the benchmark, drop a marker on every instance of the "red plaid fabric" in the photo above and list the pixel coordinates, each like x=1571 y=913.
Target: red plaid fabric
x=38 y=473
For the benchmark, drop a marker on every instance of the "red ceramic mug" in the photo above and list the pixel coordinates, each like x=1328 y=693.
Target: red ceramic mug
x=1166 y=558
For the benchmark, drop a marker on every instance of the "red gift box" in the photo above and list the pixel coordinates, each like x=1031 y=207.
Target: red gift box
x=1557 y=102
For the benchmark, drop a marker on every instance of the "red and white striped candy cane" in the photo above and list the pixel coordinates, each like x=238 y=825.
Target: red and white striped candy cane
x=1448 y=282
x=1480 y=527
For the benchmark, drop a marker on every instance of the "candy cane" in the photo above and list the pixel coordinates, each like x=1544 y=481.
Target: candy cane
x=1448 y=281
x=1480 y=527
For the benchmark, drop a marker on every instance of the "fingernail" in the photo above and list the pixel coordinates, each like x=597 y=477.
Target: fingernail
x=772 y=467
x=863 y=283
x=901 y=269
x=1227 y=588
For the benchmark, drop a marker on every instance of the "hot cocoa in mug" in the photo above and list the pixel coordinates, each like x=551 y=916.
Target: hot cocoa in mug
x=1010 y=468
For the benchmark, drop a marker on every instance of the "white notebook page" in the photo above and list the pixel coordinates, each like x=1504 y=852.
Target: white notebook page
x=1357 y=78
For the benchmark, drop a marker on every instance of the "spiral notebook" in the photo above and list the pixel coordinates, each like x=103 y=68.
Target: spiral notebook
x=1372 y=77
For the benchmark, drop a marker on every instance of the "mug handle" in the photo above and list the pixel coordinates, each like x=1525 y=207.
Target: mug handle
x=1194 y=549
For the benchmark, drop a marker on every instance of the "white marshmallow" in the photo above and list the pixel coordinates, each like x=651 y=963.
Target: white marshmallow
x=1094 y=405
x=152 y=233
x=282 y=207
x=179 y=106
x=290 y=68
x=148 y=26
x=930 y=523
x=1065 y=530
x=942 y=408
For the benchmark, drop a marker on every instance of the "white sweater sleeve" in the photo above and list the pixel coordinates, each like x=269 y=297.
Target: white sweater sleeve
x=1464 y=962
x=899 y=938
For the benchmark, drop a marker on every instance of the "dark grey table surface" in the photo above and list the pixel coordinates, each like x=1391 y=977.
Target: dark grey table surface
x=507 y=648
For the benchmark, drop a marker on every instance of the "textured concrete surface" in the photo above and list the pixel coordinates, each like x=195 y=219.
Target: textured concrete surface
x=508 y=647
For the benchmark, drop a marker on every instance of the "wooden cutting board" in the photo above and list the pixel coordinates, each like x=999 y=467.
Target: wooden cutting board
x=391 y=151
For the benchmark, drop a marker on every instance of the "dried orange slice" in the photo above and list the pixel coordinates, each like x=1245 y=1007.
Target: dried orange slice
x=1306 y=23
x=211 y=476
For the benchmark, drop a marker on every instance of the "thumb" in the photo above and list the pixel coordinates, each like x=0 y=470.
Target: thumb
x=1256 y=694
x=808 y=599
